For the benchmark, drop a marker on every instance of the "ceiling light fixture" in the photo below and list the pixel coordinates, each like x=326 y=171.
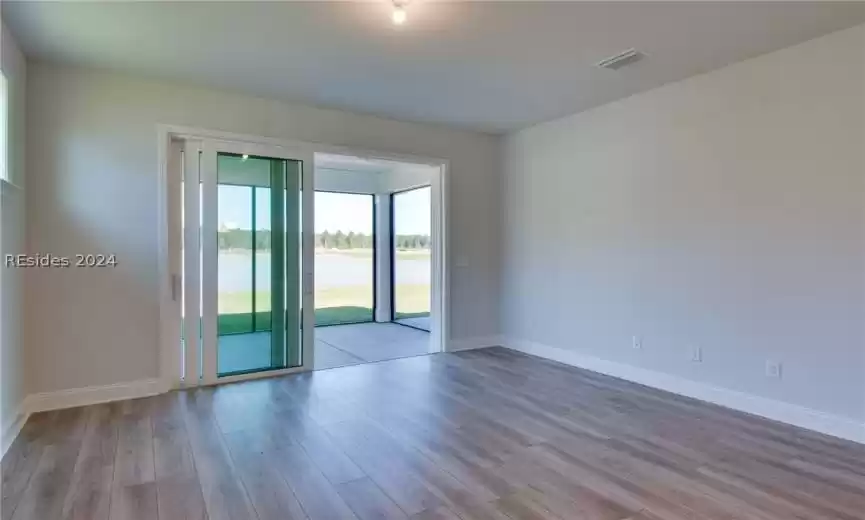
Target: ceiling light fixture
x=399 y=15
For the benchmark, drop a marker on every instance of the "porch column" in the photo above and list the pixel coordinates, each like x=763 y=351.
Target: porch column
x=382 y=258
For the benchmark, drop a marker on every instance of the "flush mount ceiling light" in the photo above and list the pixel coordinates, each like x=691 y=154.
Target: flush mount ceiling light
x=399 y=15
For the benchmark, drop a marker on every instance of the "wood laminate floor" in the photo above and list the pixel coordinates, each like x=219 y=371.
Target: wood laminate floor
x=485 y=434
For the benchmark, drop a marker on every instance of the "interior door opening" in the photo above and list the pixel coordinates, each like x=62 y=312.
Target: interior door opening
x=374 y=260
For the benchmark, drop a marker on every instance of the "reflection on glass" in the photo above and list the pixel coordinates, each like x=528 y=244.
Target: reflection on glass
x=411 y=212
x=344 y=267
x=234 y=300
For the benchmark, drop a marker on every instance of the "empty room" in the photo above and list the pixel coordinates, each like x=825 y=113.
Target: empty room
x=432 y=260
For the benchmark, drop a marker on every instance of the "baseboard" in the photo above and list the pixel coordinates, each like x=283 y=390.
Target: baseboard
x=807 y=418
x=10 y=430
x=93 y=395
x=472 y=343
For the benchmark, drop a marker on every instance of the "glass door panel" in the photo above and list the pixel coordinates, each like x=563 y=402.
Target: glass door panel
x=258 y=263
x=411 y=257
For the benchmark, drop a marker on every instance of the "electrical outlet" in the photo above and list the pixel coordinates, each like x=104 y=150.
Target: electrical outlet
x=697 y=355
x=637 y=342
x=773 y=369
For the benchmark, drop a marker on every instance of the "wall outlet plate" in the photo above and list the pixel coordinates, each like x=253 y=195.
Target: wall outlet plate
x=773 y=369
x=637 y=342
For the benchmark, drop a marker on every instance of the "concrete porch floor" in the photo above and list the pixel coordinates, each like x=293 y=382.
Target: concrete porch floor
x=335 y=346
x=421 y=322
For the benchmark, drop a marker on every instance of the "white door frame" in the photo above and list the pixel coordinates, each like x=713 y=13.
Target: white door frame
x=169 y=328
x=204 y=171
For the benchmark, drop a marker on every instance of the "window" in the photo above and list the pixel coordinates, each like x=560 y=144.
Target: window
x=411 y=260
x=344 y=258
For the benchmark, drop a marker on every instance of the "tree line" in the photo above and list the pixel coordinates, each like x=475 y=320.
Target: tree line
x=243 y=239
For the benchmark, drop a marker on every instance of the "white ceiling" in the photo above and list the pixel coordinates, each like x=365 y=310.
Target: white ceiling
x=491 y=66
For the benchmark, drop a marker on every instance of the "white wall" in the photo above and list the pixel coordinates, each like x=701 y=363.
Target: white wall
x=92 y=188
x=12 y=383
x=405 y=176
x=726 y=211
x=347 y=181
x=393 y=176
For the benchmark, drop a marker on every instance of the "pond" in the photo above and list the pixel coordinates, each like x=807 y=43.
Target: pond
x=332 y=269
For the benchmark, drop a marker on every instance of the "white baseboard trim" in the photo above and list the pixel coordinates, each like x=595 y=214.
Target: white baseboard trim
x=810 y=419
x=456 y=345
x=10 y=430
x=93 y=395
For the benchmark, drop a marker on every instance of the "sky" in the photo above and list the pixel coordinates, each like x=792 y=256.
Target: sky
x=412 y=212
x=333 y=211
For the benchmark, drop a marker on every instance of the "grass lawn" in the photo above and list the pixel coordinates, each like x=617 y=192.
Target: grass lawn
x=336 y=305
x=405 y=315
x=242 y=322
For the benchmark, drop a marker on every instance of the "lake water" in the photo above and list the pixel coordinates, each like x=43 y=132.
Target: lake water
x=331 y=270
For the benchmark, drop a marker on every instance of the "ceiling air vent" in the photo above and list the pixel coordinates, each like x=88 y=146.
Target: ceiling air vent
x=620 y=60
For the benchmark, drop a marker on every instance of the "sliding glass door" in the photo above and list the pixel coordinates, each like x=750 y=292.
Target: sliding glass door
x=258 y=263
x=411 y=257
x=248 y=275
